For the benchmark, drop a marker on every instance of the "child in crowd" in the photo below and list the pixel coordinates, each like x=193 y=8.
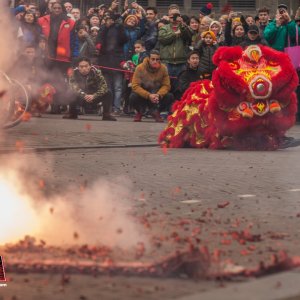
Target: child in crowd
x=94 y=33
x=140 y=52
x=137 y=58
x=207 y=48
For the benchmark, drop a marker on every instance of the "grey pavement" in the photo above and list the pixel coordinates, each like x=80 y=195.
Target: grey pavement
x=181 y=190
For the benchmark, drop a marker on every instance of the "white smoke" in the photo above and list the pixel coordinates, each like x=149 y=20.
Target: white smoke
x=97 y=213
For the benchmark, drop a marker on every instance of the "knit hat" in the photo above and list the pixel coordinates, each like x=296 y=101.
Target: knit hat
x=237 y=20
x=136 y=19
x=19 y=9
x=110 y=15
x=206 y=10
x=95 y=27
x=282 y=6
x=253 y=28
x=205 y=33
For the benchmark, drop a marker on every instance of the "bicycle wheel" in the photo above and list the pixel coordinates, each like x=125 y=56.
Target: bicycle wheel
x=14 y=103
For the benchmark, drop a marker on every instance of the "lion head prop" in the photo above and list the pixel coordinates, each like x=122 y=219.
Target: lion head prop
x=249 y=104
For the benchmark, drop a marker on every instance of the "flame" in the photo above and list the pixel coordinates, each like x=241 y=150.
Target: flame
x=18 y=217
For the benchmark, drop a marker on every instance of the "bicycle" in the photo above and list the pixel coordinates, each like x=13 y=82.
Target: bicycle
x=14 y=101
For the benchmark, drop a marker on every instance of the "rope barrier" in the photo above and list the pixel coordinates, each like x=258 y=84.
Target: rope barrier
x=121 y=70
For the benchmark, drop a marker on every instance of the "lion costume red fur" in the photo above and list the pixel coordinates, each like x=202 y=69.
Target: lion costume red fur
x=249 y=104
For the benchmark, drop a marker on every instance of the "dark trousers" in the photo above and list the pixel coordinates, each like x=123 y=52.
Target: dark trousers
x=105 y=99
x=140 y=104
x=58 y=79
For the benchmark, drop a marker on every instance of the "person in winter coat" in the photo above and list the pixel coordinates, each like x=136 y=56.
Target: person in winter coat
x=60 y=33
x=86 y=45
x=150 y=34
x=277 y=31
x=110 y=43
x=174 y=39
x=191 y=74
x=253 y=37
x=29 y=31
x=150 y=88
x=194 y=29
x=133 y=32
x=62 y=47
x=207 y=48
x=235 y=31
x=216 y=28
x=89 y=86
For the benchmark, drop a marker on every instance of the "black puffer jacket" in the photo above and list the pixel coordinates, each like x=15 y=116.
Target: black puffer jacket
x=185 y=78
x=247 y=42
x=150 y=36
x=231 y=40
x=111 y=41
x=206 y=53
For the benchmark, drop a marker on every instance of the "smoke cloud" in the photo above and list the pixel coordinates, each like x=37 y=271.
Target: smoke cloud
x=97 y=213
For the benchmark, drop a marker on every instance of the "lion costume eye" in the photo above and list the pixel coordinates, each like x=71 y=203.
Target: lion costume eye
x=234 y=65
x=273 y=63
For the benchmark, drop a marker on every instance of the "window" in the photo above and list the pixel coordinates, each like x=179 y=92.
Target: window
x=143 y=3
x=166 y=3
x=197 y=4
x=242 y=5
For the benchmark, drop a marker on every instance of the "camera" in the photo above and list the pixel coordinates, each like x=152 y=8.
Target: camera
x=163 y=21
x=175 y=16
x=281 y=11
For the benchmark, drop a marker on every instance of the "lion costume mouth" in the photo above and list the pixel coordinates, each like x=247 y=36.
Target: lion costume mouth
x=258 y=108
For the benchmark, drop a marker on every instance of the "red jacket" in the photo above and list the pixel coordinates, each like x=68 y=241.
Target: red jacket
x=63 y=50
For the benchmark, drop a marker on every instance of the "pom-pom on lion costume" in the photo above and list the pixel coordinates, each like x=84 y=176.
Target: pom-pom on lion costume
x=249 y=104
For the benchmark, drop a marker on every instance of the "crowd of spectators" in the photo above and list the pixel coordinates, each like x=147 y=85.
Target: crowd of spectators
x=135 y=58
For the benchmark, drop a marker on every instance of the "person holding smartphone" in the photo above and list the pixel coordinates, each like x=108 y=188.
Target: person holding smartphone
x=174 y=39
x=277 y=30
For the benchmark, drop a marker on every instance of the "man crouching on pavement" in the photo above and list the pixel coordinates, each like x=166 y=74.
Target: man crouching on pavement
x=89 y=85
x=150 y=88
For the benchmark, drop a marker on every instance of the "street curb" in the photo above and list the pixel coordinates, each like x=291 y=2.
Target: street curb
x=282 y=286
x=62 y=148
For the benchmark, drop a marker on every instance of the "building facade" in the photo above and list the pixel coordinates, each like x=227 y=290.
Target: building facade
x=191 y=7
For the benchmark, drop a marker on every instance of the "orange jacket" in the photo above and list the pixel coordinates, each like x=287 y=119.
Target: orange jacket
x=148 y=81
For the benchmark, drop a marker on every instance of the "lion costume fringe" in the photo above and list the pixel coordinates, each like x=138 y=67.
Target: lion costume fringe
x=249 y=104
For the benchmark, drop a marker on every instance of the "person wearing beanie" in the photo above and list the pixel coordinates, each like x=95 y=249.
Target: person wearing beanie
x=132 y=20
x=206 y=49
x=20 y=9
x=191 y=74
x=205 y=10
x=253 y=37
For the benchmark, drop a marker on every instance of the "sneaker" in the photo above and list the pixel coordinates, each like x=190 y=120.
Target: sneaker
x=70 y=116
x=108 y=118
x=138 y=117
x=116 y=113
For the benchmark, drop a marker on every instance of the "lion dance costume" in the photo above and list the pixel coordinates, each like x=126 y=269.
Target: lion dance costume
x=249 y=104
